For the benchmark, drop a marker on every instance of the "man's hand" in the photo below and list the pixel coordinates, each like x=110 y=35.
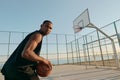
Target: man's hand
x=47 y=63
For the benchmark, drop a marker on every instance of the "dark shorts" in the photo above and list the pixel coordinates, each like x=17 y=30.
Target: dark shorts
x=20 y=73
x=33 y=78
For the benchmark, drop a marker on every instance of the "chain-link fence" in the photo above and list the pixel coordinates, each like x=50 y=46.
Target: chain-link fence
x=91 y=49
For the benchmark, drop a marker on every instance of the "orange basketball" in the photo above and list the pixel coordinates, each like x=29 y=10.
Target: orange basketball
x=43 y=70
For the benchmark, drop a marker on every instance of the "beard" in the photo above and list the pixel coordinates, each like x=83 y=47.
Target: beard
x=45 y=32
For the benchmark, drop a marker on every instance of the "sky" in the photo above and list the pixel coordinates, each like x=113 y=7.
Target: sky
x=27 y=15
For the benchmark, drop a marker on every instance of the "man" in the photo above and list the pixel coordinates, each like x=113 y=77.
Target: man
x=21 y=64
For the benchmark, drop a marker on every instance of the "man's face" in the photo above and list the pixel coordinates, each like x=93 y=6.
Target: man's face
x=47 y=28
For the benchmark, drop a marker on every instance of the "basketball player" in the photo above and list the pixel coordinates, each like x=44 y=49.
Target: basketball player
x=21 y=63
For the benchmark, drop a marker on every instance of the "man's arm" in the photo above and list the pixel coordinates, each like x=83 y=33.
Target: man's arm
x=28 y=52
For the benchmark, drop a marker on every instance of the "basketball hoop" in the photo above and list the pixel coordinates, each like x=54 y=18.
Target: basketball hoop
x=77 y=28
x=81 y=21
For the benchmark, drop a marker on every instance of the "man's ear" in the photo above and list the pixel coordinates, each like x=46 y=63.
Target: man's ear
x=41 y=25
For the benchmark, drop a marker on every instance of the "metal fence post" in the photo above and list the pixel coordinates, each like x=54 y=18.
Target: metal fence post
x=72 y=53
x=9 y=44
x=57 y=49
x=118 y=35
x=100 y=48
x=66 y=48
x=87 y=49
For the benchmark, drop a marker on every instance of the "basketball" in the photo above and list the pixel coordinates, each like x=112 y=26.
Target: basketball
x=43 y=70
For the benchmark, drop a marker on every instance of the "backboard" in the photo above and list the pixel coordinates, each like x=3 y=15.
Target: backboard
x=81 y=21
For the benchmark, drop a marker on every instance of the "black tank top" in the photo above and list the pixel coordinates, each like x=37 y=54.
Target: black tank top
x=16 y=59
